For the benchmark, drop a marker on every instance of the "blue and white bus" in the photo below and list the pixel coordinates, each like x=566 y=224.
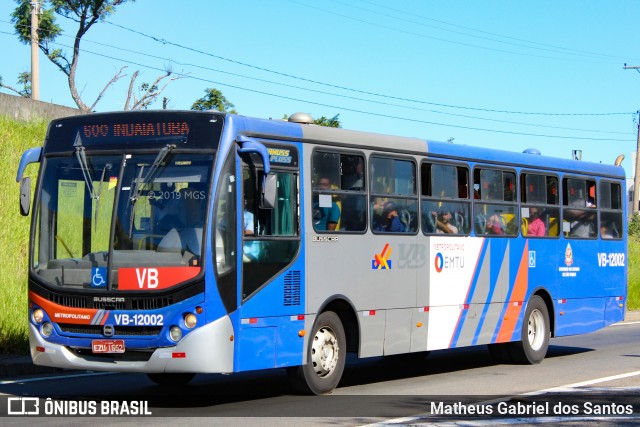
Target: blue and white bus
x=176 y=243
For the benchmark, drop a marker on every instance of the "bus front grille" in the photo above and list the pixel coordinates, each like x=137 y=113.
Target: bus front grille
x=128 y=331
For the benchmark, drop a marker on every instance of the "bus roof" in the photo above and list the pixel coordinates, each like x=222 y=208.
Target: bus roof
x=366 y=140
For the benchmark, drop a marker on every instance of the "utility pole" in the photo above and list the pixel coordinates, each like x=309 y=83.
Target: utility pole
x=35 y=68
x=636 y=175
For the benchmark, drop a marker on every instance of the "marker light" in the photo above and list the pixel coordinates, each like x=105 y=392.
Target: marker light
x=190 y=320
x=175 y=333
x=37 y=316
x=46 y=329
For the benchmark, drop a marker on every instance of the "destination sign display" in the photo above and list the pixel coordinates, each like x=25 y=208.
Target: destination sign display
x=135 y=130
x=127 y=130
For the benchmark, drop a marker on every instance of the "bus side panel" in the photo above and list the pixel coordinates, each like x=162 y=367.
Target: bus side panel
x=614 y=308
x=371 y=332
x=397 y=331
x=459 y=268
x=579 y=316
x=270 y=342
x=496 y=299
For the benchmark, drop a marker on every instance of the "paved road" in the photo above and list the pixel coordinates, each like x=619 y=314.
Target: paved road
x=373 y=390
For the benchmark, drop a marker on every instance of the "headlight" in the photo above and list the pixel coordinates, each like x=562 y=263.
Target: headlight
x=175 y=333
x=190 y=320
x=37 y=316
x=46 y=329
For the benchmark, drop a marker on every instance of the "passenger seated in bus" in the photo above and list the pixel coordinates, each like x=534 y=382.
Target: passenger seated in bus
x=443 y=223
x=581 y=223
x=536 y=225
x=249 y=224
x=390 y=222
x=250 y=248
x=605 y=232
x=325 y=218
x=591 y=198
x=494 y=225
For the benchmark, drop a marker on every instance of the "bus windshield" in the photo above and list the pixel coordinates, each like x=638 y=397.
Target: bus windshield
x=118 y=221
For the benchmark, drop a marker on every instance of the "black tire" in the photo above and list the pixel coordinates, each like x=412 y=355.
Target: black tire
x=536 y=331
x=171 y=379
x=326 y=356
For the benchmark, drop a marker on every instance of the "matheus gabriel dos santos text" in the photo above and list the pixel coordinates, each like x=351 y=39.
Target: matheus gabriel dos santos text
x=531 y=408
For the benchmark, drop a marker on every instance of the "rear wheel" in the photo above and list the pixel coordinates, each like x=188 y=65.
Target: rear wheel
x=171 y=379
x=326 y=355
x=536 y=331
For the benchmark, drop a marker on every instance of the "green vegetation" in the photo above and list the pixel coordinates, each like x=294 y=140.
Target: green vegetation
x=15 y=137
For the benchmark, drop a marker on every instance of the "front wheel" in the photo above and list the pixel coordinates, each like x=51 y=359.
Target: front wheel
x=536 y=331
x=326 y=354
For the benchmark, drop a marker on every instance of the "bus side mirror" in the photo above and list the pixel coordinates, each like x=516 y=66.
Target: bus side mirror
x=268 y=192
x=25 y=195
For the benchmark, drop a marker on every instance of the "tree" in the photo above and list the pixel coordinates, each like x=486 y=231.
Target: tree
x=333 y=122
x=86 y=13
x=214 y=100
x=24 y=79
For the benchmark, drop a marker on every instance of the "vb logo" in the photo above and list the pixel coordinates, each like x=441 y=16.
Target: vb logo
x=381 y=261
x=148 y=277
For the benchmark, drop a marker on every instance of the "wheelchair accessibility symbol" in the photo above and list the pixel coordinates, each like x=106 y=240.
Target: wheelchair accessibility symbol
x=99 y=277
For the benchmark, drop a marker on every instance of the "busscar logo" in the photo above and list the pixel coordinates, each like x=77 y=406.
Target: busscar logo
x=23 y=406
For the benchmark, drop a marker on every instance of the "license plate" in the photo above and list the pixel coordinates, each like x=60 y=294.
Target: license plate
x=107 y=346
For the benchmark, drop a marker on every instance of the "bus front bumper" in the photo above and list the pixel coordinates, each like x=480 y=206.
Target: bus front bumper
x=208 y=349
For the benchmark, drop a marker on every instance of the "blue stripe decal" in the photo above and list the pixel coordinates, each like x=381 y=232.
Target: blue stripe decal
x=474 y=282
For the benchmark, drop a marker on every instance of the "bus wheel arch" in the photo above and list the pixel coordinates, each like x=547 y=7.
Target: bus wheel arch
x=334 y=333
x=535 y=335
x=546 y=297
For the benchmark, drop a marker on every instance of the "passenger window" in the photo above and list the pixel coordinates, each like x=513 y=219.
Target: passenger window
x=579 y=216
x=339 y=192
x=495 y=210
x=445 y=201
x=611 y=211
x=540 y=212
x=394 y=200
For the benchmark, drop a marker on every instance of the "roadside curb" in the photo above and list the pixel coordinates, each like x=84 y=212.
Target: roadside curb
x=13 y=365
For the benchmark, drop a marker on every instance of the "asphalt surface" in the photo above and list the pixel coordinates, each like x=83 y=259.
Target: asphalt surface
x=14 y=365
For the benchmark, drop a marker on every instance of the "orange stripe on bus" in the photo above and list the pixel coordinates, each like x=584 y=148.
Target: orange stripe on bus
x=519 y=292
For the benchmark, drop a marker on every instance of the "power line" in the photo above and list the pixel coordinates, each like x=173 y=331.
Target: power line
x=167 y=42
x=349 y=109
x=403 y=31
x=387 y=116
x=173 y=61
x=415 y=15
x=386 y=96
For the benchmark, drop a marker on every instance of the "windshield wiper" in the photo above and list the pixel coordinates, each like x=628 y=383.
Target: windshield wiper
x=137 y=186
x=84 y=166
x=95 y=215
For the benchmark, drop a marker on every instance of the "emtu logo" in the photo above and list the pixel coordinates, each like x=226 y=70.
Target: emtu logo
x=449 y=262
x=439 y=262
x=381 y=261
